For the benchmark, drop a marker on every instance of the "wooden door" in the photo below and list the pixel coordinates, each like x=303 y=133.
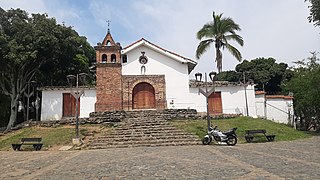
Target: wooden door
x=143 y=96
x=69 y=105
x=215 y=103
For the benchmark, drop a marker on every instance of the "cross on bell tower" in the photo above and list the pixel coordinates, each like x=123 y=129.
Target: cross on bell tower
x=108 y=21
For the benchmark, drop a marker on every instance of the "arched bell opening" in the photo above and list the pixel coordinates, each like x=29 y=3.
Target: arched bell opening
x=104 y=58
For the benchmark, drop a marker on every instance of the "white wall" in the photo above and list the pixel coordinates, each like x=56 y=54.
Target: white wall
x=232 y=97
x=234 y=100
x=278 y=109
x=52 y=104
x=87 y=101
x=260 y=105
x=176 y=74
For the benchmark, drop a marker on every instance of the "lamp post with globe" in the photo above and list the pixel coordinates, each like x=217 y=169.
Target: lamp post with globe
x=207 y=92
x=76 y=92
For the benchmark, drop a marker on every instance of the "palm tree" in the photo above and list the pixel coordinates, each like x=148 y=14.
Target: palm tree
x=219 y=31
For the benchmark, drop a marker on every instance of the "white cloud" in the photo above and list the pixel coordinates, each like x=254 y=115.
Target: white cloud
x=69 y=14
x=36 y=6
x=276 y=29
x=270 y=28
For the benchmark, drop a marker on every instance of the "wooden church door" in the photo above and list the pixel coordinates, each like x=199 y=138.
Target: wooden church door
x=215 y=103
x=69 y=105
x=143 y=96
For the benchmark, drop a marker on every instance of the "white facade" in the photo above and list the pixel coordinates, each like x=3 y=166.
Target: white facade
x=160 y=62
x=277 y=108
x=233 y=100
x=260 y=105
x=179 y=92
x=52 y=103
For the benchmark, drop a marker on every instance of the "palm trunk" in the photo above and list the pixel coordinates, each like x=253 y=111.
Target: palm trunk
x=219 y=59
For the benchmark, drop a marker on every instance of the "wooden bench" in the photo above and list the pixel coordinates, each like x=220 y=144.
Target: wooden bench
x=250 y=135
x=36 y=142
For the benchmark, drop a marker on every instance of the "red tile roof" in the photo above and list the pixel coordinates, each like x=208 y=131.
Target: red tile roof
x=279 y=97
x=260 y=92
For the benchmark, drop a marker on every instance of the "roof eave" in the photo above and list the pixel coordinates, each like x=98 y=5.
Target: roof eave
x=141 y=42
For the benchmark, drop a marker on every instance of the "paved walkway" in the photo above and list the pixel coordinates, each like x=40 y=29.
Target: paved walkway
x=272 y=160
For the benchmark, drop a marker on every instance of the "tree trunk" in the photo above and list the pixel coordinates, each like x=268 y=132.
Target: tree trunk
x=13 y=115
x=219 y=59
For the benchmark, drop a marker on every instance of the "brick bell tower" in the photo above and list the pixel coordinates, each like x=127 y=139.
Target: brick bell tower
x=108 y=73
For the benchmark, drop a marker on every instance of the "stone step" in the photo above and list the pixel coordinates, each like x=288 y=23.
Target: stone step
x=146 y=125
x=150 y=141
x=147 y=133
x=142 y=133
x=136 y=121
x=106 y=142
x=141 y=137
x=143 y=143
x=143 y=128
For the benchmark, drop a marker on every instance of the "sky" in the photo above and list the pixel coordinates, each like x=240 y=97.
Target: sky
x=270 y=28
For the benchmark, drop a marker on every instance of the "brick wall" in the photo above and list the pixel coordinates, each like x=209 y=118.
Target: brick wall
x=109 y=87
x=158 y=83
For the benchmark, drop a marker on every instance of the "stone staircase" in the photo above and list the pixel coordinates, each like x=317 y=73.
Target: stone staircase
x=143 y=128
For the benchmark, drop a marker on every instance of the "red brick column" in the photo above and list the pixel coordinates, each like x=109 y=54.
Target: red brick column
x=109 y=87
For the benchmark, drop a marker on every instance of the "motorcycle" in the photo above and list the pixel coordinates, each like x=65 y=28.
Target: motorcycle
x=213 y=133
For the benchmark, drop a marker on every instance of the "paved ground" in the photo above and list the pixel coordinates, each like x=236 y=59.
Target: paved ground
x=273 y=160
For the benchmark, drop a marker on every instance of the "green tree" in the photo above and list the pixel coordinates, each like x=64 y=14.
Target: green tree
x=27 y=43
x=72 y=55
x=268 y=74
x=305 y=87
x=230 y=76
x=220 y=31
x=314 y=12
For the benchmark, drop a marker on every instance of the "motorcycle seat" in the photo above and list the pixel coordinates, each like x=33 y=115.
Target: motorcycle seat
x=231 y=131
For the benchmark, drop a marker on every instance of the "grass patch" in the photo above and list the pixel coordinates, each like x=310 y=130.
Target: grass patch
x=51 y=136
x=282 y=131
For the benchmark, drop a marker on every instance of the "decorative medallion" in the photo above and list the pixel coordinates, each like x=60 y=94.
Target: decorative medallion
x=143 y=59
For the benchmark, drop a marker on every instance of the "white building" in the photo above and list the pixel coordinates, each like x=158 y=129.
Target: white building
x=146 y=76
x=278 y=108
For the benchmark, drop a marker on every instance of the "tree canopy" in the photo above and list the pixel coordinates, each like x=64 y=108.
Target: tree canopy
x=305 y=87
x=314 y=12
x=37 y=48
x=220 y=31
x=265 y=72
x=268 y=74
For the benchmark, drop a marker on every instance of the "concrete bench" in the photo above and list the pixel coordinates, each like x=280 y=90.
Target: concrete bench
x=35 y=142
x=250 y=135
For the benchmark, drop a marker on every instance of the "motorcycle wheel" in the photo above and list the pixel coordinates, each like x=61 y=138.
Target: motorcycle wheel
x=206 y=140
x=232 y=140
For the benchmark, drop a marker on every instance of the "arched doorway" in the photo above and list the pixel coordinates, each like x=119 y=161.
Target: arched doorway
x=143 y=96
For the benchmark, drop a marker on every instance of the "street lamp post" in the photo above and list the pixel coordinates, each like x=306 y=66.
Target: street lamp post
x=28 y=94
x=207 y=91
x=76 y=93
x=37 y=100
x=245 y=92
